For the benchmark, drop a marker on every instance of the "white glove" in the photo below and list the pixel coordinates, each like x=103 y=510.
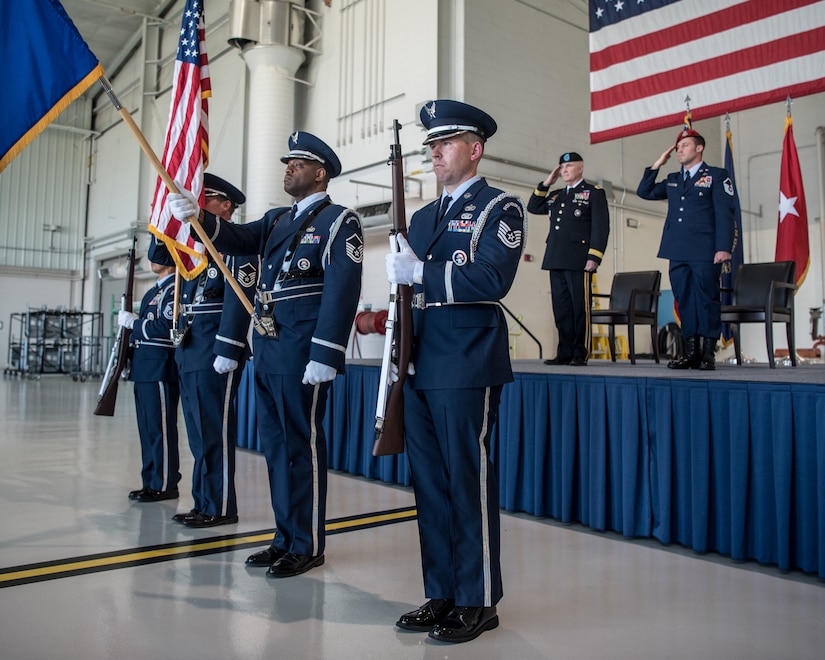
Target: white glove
x=126 y=319
x=394 y=371
x=403 y=267
x=183 y=205
x=224 y=365
x=317 y=372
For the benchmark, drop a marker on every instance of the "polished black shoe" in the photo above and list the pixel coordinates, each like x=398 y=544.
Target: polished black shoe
x=707 y=360
x=201 y=520
x=265 y=557
x=464 y=623
x=180 y=517
x=425 y=617
x=691 y=358
x=134 y=494
x=578 y=362
x=150 y=495
x=291 y=564
x=557 y=361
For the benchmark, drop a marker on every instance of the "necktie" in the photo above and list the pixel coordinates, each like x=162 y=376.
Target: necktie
x=294 y=212
x=687 y=176
x=445 y=204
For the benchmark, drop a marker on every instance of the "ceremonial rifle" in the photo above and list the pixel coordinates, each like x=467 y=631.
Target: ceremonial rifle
x=120 y=349
x=389 y=413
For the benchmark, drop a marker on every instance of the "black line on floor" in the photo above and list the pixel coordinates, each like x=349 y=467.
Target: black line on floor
x=108 y=561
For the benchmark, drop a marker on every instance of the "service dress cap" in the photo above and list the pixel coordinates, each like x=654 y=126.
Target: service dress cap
x=214 y=184
x=305 y=145
x=570 y=157
x=444 y=118
x=158 y=254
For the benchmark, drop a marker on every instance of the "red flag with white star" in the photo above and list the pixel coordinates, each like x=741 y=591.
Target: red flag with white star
x=792 y=233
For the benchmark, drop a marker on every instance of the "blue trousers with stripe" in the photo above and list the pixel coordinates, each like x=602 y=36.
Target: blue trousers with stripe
x=156 y=404
x=456 y=491
x=290 y=416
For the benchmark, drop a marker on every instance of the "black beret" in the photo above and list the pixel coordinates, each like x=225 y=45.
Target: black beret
x=570 y=157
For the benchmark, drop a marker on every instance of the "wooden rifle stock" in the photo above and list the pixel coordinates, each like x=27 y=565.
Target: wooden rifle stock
x=120 y=349
x=389 y=414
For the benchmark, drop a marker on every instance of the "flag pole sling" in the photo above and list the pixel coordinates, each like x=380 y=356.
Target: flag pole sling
x=170 y=184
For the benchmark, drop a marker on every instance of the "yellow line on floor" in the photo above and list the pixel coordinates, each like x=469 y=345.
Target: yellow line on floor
x=224 y=543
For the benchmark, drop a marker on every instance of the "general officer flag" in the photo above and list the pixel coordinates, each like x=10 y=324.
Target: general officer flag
x=186 y=151
x=729 y=55
x=45 y=66
x=792 y=233
x=737 y=255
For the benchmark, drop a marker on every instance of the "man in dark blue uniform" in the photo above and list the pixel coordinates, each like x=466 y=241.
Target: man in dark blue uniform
x=211 y=355
x=462 y=257
x=697 y=239
x=155 y=379
x=579 y=226
x=309 y=286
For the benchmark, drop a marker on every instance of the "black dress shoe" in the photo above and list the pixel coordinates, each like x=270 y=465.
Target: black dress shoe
x=201 y=520
x=134 y=494
x=464 y=623
x=180 y=517
x=578 y=362
x=291 y=564
x=425 y=617
x=557 y=360
x=265 y=557
x=150 y=495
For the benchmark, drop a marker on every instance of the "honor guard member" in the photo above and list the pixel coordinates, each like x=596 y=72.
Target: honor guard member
x=579 y=226
x=462 y=256
x=211 y=355
x=308 y=293
x=155 y=379
x=697 y=239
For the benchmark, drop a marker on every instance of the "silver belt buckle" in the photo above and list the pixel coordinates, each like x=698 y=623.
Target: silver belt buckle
x=418 y=301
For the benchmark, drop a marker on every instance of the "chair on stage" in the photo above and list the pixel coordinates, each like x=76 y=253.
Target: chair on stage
x=763 y=293
x=634 y=300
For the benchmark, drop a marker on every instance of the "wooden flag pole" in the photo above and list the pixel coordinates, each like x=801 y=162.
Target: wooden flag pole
x=170 y=184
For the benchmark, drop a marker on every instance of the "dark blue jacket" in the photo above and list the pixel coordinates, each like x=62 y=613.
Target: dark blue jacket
x=700 y=213
x=153 y=355
x=315 y=307
x=579 y=224
x=470 y=260
x=216 y=321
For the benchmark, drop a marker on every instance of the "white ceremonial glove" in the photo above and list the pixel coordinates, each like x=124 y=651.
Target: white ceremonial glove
x=223 y=365
x=394 y=372
x=403 y=267
x=317 y=372
x=183 y=205
x=126 y=319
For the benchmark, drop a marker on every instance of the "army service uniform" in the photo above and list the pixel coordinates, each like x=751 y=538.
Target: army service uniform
x=579 y=227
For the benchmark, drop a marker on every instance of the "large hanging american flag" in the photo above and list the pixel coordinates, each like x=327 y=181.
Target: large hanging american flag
x=728 y=55
x=186 y=152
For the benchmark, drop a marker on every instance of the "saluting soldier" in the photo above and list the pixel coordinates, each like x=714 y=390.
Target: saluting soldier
x=211 y=355
x=155 y=379
x=309 y=286
x=462 y=257
x=697 y=239
x=579 y=227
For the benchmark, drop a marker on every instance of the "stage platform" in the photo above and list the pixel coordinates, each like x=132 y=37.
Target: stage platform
x=730 y=461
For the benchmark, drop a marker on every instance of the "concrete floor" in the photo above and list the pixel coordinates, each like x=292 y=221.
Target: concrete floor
x=82 y=576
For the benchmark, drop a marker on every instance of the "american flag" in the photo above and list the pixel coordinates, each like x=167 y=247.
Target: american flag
x=728 y=55
x=186 y=152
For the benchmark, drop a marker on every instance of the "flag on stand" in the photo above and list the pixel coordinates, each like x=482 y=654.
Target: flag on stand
x=45 y=66
x=737 y=255
x=792 y=233
x=186 y=150
x=728 y=54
